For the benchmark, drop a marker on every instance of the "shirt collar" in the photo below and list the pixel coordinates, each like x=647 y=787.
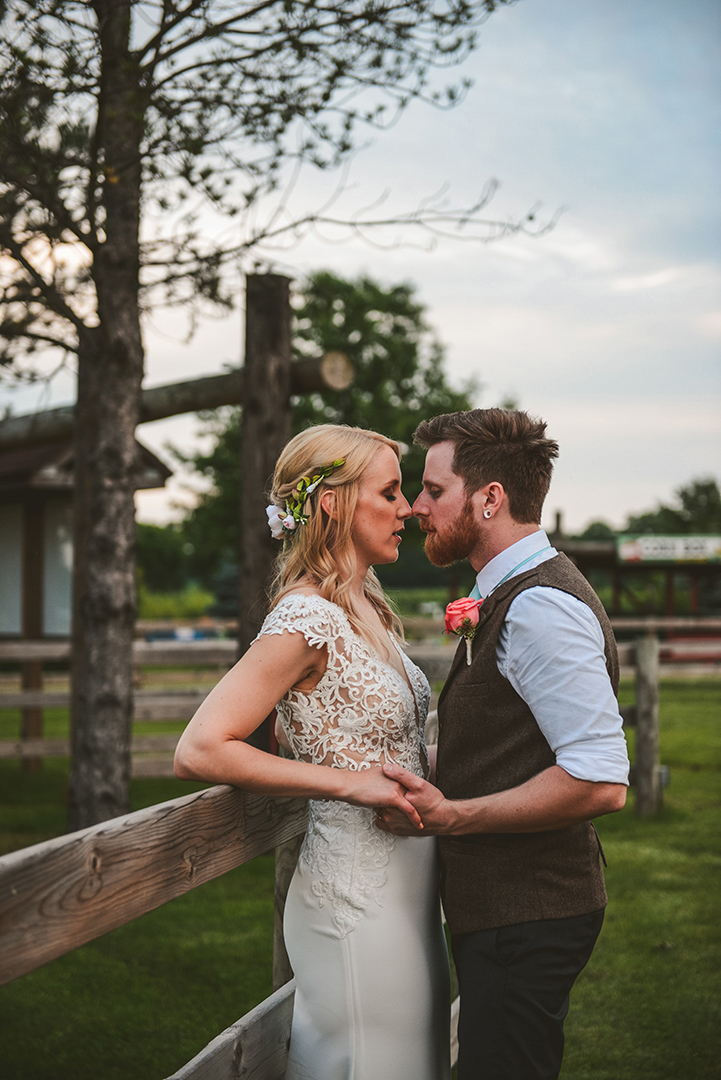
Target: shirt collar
x=505 y=562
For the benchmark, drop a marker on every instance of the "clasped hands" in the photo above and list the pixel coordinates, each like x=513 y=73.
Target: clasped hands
x=429 y=803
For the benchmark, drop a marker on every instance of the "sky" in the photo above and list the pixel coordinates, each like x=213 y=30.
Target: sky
x=608 y=326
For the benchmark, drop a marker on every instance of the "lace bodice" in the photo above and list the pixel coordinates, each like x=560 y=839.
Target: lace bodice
x=361 y=713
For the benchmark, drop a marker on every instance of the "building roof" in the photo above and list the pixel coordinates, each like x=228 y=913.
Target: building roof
x=50 y=467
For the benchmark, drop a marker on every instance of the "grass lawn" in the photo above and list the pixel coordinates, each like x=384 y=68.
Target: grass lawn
x=139 y=1002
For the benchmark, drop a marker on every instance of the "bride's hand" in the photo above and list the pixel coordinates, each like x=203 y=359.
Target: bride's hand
x=426 y=799
x=371 y=788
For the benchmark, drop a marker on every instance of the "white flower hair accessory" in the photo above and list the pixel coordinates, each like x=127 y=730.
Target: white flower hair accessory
x=283 y=523
x=275 y=515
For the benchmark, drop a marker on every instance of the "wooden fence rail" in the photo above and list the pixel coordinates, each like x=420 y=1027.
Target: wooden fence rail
x=434 y=660
x=60 y=894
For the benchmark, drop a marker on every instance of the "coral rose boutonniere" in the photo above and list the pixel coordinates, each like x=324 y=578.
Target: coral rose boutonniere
x=462 y=619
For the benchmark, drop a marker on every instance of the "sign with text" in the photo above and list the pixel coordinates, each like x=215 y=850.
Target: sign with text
x=669 y=549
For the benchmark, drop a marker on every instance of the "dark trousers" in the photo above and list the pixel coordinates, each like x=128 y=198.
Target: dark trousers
x=514 y=986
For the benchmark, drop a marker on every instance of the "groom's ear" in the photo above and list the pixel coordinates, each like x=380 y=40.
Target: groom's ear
x=329 y=504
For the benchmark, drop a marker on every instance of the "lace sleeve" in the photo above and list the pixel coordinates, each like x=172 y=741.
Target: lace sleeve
x=317 y=619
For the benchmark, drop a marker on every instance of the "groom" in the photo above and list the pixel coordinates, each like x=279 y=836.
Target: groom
x=530 y=747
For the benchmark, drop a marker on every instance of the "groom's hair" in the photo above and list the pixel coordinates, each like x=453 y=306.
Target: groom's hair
x=502 y=445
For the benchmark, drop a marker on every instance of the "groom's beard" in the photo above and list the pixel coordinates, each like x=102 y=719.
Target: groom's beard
x=457 y=541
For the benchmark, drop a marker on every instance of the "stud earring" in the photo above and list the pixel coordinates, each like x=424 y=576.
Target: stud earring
x=487 y=513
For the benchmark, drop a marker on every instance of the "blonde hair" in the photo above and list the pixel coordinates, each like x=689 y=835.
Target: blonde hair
x=321 y=553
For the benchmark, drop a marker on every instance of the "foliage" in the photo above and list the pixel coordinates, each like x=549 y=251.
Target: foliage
x=397 y=360
x=699 y=512
x=188 y=603
x=399 y=380
x=162 y=554
x=597 y=530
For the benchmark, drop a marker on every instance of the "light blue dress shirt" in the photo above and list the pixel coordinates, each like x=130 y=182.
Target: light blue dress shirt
x=551 y=650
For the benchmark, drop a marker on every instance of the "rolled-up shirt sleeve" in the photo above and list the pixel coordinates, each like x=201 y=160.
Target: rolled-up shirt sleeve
x=551 y=650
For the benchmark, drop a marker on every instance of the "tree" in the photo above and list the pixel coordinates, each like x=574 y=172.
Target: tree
x=117 y=114
x=162 y=557
x=699 y=512
x=399 y=380
x=597 y=530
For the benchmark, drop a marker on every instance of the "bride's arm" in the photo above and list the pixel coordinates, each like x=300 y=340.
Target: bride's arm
x=212 y=748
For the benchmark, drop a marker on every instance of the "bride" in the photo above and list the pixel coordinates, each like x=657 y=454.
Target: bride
x=362 y=919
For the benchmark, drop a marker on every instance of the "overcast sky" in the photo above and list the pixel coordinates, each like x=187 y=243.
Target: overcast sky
x=609 y=326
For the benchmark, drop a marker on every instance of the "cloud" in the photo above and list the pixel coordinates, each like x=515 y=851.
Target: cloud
x=647 y=281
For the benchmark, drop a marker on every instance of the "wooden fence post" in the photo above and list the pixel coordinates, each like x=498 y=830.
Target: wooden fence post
x=32 y=620
x=286 y=856
x=265 y=429
x=648 y=791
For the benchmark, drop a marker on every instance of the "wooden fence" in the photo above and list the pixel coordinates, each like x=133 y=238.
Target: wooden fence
x=152 y=754
x=65 y=892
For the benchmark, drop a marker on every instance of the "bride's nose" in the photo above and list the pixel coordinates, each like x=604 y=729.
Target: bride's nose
x=404 y=510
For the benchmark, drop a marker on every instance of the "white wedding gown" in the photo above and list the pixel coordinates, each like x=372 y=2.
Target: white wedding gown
x=362 y=919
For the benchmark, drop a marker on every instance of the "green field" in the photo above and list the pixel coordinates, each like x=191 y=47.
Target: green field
x=139 y=1002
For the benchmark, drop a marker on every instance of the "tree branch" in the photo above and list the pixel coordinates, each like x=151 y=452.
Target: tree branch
x=52 y=298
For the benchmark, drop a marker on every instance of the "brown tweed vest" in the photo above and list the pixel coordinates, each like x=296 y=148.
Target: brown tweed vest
x=489 y=741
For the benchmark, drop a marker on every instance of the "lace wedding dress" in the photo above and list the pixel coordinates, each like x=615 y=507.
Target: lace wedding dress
x=362 y=919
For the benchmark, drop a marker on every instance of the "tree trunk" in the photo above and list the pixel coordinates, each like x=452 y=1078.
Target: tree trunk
x=110 y=374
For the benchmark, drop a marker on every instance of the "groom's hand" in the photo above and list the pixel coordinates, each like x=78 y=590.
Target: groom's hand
x=429 y=802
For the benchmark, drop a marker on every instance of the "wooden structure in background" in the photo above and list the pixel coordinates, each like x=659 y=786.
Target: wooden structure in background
x=331 y=371
x=603 y=555
x=153 y=753
x=36 y=506
x=36 y=453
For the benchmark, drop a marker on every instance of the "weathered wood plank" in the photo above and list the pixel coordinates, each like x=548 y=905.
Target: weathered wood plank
x=221 y=652
x=652 y=624
x=35 y=699
x=16 y=651
x=433 y=660
x=213 y=653
x=60 y=894
x=254 y=1047
x=152 y=766
x=28 y=748
x=142 y=744
x=147 y=704
x=150 y=705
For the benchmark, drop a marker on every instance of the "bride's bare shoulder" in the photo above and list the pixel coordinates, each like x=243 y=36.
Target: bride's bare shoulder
x=303 y=588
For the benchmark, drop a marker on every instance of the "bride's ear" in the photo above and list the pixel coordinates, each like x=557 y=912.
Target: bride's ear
x=328 y=503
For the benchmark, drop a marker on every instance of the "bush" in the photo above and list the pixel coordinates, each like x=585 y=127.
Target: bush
x=191 y=603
